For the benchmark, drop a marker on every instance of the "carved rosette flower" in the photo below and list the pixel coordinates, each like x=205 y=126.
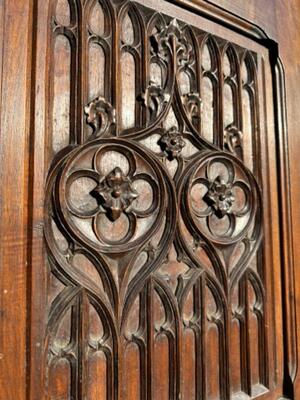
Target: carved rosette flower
x=172 y=143
x=220 y=196
x=115 y=193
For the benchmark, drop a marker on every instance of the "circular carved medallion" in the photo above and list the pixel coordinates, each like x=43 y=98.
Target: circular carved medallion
x=112 y=195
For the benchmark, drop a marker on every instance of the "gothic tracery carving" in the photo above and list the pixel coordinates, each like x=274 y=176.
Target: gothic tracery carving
x=116 y=201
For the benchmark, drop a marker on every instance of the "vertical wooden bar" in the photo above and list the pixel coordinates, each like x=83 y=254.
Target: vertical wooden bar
x=38 y=140
x=15 y=69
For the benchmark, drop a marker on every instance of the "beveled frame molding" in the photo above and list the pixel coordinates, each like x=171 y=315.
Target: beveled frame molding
x=240 y=25
x=224 y=17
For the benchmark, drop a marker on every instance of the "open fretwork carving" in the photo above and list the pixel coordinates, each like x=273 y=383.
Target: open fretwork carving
x=153 y=217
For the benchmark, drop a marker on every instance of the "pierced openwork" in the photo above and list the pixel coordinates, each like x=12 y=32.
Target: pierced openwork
x=153 y=210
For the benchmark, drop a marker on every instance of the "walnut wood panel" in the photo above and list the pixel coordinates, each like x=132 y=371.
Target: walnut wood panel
x=159 y=265
x=156 y=267
x=15 y=65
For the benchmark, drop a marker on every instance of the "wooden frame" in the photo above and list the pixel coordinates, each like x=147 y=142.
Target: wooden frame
x=27 y=214
x=15 y=88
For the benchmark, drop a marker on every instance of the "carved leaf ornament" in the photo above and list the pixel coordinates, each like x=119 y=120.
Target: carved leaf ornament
x=135 y=201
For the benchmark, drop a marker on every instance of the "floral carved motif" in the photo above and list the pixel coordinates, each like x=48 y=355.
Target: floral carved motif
x=233 y=140
x=111 y=188
x=172 y=40
x=164 y=237
x=172 y=143
x=153 y=99
x=193 y=105
x=100 y=115
x=115 y=193
x=220 y=196
x=222 y=190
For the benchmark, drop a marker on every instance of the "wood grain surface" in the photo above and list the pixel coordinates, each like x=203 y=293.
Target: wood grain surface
x=149 y=199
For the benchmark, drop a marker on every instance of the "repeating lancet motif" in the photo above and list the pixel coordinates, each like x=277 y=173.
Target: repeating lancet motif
x=153 y=211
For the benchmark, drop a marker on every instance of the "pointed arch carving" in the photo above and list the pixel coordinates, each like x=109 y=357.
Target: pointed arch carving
x=155 y=190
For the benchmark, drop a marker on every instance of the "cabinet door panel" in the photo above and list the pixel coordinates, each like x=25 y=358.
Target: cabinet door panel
x=158 y=272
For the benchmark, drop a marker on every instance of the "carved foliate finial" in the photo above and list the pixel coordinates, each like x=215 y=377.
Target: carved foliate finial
x=100 y=115
x=172 y=40
x=233 y=140
x=193 y=105
x=153 y=99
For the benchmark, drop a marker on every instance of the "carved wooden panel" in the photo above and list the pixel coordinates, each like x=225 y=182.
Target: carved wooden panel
x=159 y=283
